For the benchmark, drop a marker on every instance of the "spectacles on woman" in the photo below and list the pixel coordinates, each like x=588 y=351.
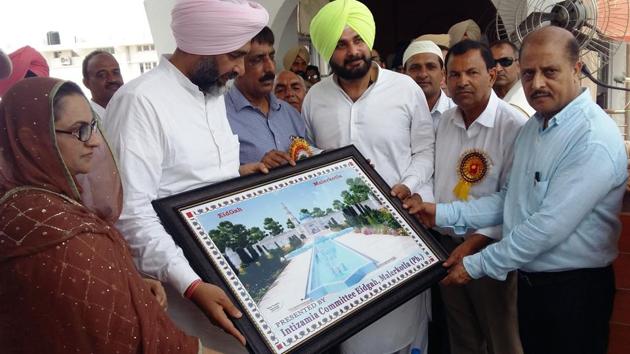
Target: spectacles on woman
x=83 y=132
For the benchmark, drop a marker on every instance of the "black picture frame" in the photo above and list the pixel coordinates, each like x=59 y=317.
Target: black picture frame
x=182 y=216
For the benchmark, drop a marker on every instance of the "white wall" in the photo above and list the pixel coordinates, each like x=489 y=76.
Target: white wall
x=282 y=21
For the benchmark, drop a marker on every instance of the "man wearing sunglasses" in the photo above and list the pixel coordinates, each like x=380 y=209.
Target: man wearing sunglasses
x=508 y=84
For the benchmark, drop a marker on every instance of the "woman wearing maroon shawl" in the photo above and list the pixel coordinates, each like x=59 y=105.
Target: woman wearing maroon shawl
x=67 y=281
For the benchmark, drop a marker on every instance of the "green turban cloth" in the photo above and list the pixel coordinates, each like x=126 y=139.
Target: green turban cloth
x=329 y=23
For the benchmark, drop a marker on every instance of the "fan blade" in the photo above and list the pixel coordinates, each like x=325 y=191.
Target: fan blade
x=533 y=21
x=600 y=46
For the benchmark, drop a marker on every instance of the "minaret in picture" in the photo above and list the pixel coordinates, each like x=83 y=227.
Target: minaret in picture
x=296 y=222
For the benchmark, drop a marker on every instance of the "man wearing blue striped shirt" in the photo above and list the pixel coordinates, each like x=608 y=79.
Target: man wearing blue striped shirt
x=264 y=124
x=559 y=207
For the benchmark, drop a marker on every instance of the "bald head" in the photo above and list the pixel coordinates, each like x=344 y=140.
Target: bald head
x=556 y=35
x=550 y=75
x=291 y=88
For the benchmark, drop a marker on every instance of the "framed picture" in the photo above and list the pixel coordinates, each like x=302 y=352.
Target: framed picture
x=311 y=254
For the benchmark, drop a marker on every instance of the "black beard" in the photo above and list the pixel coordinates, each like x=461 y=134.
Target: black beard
x=351 y=74
x=206 y=77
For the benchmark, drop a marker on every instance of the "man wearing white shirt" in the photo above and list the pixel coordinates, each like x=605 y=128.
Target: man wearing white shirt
x=473 y=156
x=101 y=75
x=169 y=132
x=424 y=63
x=385 y=115
x=508 y=84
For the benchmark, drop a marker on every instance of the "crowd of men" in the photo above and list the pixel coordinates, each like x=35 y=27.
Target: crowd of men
x=496 y=147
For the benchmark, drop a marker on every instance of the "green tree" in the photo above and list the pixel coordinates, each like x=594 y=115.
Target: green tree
x=357 y=193
x=221 y=235
x=272 y=226
x=290 y=224
x=242 y=241
x=256 y=234
x=236 y=237
x=305 y=212
x=358 y=188
x=337 y=205
x=317 y=212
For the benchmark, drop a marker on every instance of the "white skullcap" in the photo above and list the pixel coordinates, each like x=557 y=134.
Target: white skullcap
x=418 y=47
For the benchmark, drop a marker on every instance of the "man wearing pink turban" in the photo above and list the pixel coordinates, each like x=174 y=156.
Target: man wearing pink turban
x=170 y=133
x=26 y=62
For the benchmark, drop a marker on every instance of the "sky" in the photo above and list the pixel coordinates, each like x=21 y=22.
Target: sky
x=27 y=21
x=296 y=197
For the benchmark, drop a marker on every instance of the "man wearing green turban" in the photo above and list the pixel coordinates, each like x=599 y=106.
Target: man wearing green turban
x=386 y=116
x=330 y=21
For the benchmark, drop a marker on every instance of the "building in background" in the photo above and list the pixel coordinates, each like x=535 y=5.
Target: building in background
x=65 y=59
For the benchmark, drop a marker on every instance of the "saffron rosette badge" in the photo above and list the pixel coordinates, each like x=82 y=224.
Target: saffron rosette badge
x=473 y=166
x=299 y=148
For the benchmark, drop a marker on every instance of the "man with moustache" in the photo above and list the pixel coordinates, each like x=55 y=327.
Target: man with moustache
x=290 y=88
x=473 y=157
x=169 y=132
x=508 y=84
x=423 y=62
x=264 y=124
x=385 y=115
x=101 y=75
x=559 y=208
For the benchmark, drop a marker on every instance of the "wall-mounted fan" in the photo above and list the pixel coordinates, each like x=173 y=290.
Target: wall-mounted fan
x=600 y=26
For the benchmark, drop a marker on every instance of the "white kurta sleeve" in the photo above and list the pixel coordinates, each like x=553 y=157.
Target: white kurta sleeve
x=306 y=114
x=137 y=140
x=418 y=175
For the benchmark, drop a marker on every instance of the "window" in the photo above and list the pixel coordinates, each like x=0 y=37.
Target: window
x=109 y=50
x=144 y=67
x=145 y=47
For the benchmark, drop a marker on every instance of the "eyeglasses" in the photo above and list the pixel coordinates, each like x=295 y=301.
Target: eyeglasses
x=83 y=132
x=505 y=62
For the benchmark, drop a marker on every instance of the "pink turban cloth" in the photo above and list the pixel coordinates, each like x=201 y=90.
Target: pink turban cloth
x=23 y=60
x=213 y=27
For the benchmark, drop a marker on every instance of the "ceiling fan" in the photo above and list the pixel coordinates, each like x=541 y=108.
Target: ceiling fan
x=600 y=26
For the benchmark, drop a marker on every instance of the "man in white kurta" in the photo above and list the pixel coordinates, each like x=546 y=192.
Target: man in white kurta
x=385 y=115
x=391 y=125
x=101 y=75
x=473 y=157
x=170 y=133
x=424 y=63
x=168 y=137
x=508 y=84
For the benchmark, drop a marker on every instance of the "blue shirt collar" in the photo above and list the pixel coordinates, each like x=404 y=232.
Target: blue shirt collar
x=568 y=111
x=240 y=102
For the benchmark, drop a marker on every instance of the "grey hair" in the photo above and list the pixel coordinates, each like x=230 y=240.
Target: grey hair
x=275 y=81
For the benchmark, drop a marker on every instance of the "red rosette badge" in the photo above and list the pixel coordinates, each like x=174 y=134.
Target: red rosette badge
x=472 y=168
